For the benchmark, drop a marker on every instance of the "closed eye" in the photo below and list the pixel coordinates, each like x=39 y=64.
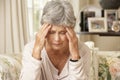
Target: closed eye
x=63 y=32
x=51 y=32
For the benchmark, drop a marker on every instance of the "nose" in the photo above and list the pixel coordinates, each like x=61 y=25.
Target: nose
x=57 y=37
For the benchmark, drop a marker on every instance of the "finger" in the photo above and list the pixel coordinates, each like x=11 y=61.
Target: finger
x=70 y=32
x=43 y=27
x=68 y=36
x=44 y=33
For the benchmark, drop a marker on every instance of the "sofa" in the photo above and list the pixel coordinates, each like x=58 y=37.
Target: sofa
x=10 y=66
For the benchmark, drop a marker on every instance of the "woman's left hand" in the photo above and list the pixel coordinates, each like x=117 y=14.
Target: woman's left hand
x=73 y=43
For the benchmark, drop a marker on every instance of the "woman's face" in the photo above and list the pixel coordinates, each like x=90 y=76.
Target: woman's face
x=57 y=39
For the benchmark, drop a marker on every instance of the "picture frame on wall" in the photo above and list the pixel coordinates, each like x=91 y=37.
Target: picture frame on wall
x=110 y=15
x=97 y=24
x=84 y=19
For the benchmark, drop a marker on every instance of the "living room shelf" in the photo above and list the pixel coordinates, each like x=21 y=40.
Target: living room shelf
x=101 y=33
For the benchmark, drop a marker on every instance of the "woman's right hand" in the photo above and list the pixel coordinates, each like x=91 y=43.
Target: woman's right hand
x=40 y=40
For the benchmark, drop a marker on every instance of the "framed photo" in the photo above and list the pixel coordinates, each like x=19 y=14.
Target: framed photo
x=116 y=26
x=97 y=25
x=110 y=15
x=84 y=19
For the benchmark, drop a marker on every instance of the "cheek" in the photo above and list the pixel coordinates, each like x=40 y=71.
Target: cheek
x=64 y=38
x=65 y=41
x=49 y=38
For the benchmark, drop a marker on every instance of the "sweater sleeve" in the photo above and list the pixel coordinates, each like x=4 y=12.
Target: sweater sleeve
x=80 y=70
x=31 y=67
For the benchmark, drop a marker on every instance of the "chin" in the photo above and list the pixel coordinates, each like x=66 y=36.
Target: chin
x=56 y=48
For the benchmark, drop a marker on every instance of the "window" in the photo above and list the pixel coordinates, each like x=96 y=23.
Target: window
x=35 y=8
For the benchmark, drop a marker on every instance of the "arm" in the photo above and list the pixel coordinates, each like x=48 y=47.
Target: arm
x=31 y=61
x=31 y=67
x=78 y=70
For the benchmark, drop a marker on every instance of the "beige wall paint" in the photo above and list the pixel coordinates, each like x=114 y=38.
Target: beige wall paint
x=105 y=43
x=95 y=2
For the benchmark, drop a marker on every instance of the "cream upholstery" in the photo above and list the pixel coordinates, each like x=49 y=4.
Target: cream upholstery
x=10 y=65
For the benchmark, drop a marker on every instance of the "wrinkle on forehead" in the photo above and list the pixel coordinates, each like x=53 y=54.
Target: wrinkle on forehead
x=55 y=27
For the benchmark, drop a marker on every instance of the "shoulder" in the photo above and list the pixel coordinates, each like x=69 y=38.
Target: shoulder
x=83 y=49
x=29 y=44
x=82 y=45
x=28 y=48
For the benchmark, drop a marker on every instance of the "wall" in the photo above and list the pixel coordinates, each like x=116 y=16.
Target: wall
x=106 y=43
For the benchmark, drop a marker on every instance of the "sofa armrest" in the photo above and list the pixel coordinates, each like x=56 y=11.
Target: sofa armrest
x=10 y=66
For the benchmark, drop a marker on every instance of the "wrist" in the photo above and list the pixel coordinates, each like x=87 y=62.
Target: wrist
x=73 y=60
x=75 y=57
x=36 y=54
x=36 y=57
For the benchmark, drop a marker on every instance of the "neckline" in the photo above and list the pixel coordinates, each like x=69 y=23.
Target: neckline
x=56 y=70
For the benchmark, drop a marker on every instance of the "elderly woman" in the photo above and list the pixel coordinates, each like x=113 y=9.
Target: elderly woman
x=55 y=55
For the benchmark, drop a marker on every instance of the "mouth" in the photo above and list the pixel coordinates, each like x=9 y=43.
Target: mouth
x=57 y=44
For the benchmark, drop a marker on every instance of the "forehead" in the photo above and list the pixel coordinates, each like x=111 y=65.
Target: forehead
x=54 y=27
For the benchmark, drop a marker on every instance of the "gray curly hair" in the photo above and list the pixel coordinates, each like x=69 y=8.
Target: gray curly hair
x=58 y=13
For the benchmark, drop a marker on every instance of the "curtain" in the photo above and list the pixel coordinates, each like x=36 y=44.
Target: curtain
x=13 y=26
x=76 y=8
x=35 y=8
